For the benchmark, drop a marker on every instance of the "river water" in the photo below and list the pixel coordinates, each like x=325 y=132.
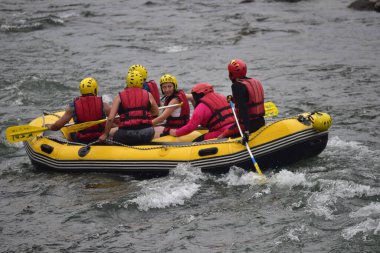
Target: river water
x=309 y=55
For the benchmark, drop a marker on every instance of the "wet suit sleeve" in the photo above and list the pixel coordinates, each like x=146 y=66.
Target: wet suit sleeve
x=240 y=94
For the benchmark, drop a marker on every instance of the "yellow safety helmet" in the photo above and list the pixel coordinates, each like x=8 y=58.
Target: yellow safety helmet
x=134 y=79
x=88 y=86
x=321 y=121
x=141 y=69
x=169 y=79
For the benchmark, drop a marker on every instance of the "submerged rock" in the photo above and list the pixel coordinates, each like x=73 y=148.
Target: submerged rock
x=365 y=5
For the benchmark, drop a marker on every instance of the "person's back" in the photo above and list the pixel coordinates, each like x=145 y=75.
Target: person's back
x=135 y=107
x=212 y=111
x=221 y=111
x=149 y=85
x=248 y=96
x=87 y=107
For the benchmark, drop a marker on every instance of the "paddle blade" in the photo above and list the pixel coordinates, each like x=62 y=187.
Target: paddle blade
x=22 y=133
x=270 y=109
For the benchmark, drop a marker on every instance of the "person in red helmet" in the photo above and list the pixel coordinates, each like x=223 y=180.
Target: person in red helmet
x=211 y=111
x=248 y=97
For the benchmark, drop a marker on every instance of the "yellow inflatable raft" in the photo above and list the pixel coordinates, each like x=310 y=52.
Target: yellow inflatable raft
x=277 y=143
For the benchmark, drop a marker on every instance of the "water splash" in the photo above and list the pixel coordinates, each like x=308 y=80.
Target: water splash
x=173 y=190
x=373 y=209
x=289 y=179
x=358 y=150
x=365 y=227
x=238 y=176
x=292 y=234
x=323 y=202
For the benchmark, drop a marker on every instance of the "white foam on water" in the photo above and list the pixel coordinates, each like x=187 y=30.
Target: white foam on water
x=373 y=209
x=238 y=176
x=68 y=14
x=358 y=151
x=107 y=98
x=292 y=234
x=173 y=190
x=323 y=203
x=289 y=179
x=367 y=227
x=337 y=142
x=173 y=49
x=261 y=193
x=18 y=145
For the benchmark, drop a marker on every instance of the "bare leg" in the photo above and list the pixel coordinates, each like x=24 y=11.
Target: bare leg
x=158 y=131
x=112 y=132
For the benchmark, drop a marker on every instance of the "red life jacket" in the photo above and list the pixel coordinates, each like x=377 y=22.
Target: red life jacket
x=89 y=108
x=153 y=88
x=134 y=109
x=255 y=102
x=221 y=110
x=177 y=122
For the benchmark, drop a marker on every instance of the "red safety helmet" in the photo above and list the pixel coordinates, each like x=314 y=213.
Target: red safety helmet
x=237 y=69
x=202 y=88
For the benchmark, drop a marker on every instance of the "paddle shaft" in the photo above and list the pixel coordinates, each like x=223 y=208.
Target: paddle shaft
x=246 y=144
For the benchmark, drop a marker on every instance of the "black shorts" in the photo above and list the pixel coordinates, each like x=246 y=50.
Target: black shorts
x=135 y=136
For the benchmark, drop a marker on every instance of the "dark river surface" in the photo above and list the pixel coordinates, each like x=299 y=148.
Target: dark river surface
x=309 y=55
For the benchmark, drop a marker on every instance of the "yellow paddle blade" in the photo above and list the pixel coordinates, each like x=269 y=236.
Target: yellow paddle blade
x=23 y=133
x=270 y=109
x=258 y=169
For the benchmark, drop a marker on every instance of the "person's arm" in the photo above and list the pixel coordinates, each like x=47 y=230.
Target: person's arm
x=106 y=109
x=110 y=119
x=154 y=107
x=198 y=116
x=167 y=112
x=66 y=117
x=239 y=93
x=191 y=99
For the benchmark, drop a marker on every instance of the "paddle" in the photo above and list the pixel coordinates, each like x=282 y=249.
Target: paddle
x=22 y=133
x=270 y=109
x=25 y=132
x=246 y=144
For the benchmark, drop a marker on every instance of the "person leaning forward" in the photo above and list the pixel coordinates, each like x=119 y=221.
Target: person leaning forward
x=135 y=107
x=248 y=96
x=87 y=107
x=211 y=111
